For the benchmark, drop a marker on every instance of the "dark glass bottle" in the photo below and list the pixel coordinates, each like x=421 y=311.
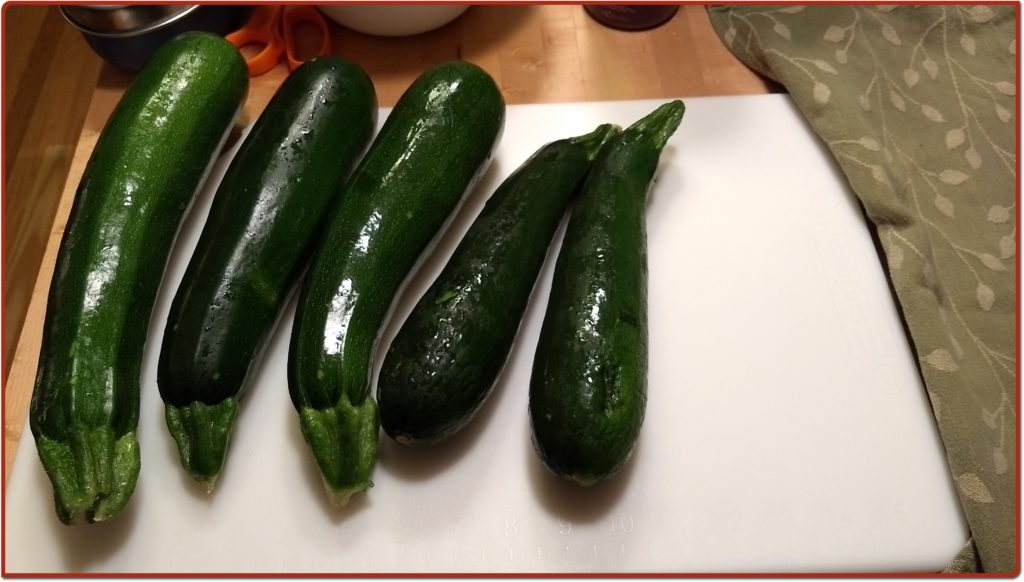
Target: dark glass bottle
x=632 y=16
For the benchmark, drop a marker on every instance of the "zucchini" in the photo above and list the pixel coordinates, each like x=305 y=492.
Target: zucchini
x=588 y=389
x=145 y=170
x=449 y=352
x=253 y=248
x=433 y=147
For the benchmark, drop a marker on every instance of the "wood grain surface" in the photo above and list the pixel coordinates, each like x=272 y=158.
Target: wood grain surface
x=49 y=77
x=536 y=53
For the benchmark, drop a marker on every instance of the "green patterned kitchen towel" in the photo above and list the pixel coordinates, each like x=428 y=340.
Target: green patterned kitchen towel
x=918 y=106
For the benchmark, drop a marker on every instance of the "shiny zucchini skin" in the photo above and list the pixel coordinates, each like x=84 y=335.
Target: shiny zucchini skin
x=149 y=162
x=588 y=389
x=432 y=149
x=262 y=224
x=446 y=358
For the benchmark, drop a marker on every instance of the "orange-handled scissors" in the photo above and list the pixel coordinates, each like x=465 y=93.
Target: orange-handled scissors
x=273 y=27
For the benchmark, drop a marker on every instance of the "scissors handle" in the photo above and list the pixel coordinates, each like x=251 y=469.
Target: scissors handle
x=261 y=29
x=293 y=16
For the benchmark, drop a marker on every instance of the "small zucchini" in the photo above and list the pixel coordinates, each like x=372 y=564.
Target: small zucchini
x=449 y=352
x=260 y=231
x=145 y=170
x=433 y=147
x=588 y=390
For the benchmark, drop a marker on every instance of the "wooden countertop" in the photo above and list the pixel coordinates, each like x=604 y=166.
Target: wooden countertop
x=536 y=53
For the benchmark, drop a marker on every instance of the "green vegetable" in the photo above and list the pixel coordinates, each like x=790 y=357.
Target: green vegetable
x=151 y=159
x=432 y=149
x=588 y=390
x=449 y=352
x=260 y=231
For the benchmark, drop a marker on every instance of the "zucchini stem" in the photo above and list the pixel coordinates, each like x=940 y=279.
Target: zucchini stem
x=202 y=433
x=661 y=123
x=595 y=140
x=92 y=472
x=344 y=441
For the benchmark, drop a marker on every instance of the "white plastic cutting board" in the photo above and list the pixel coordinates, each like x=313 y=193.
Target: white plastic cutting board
x=787 y=427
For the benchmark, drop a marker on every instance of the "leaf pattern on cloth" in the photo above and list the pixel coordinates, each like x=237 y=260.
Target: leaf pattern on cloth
x=917 y=104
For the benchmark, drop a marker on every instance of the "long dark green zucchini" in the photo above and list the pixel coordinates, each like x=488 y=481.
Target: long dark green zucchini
x=264 y=217
x=149 y=162
x=588 y=391
x=432 y=149
x=449 y=352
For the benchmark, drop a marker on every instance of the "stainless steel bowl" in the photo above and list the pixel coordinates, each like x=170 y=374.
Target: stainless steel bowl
x=126 y=35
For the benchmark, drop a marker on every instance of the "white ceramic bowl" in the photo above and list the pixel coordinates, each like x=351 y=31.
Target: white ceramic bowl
x=401 y=20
